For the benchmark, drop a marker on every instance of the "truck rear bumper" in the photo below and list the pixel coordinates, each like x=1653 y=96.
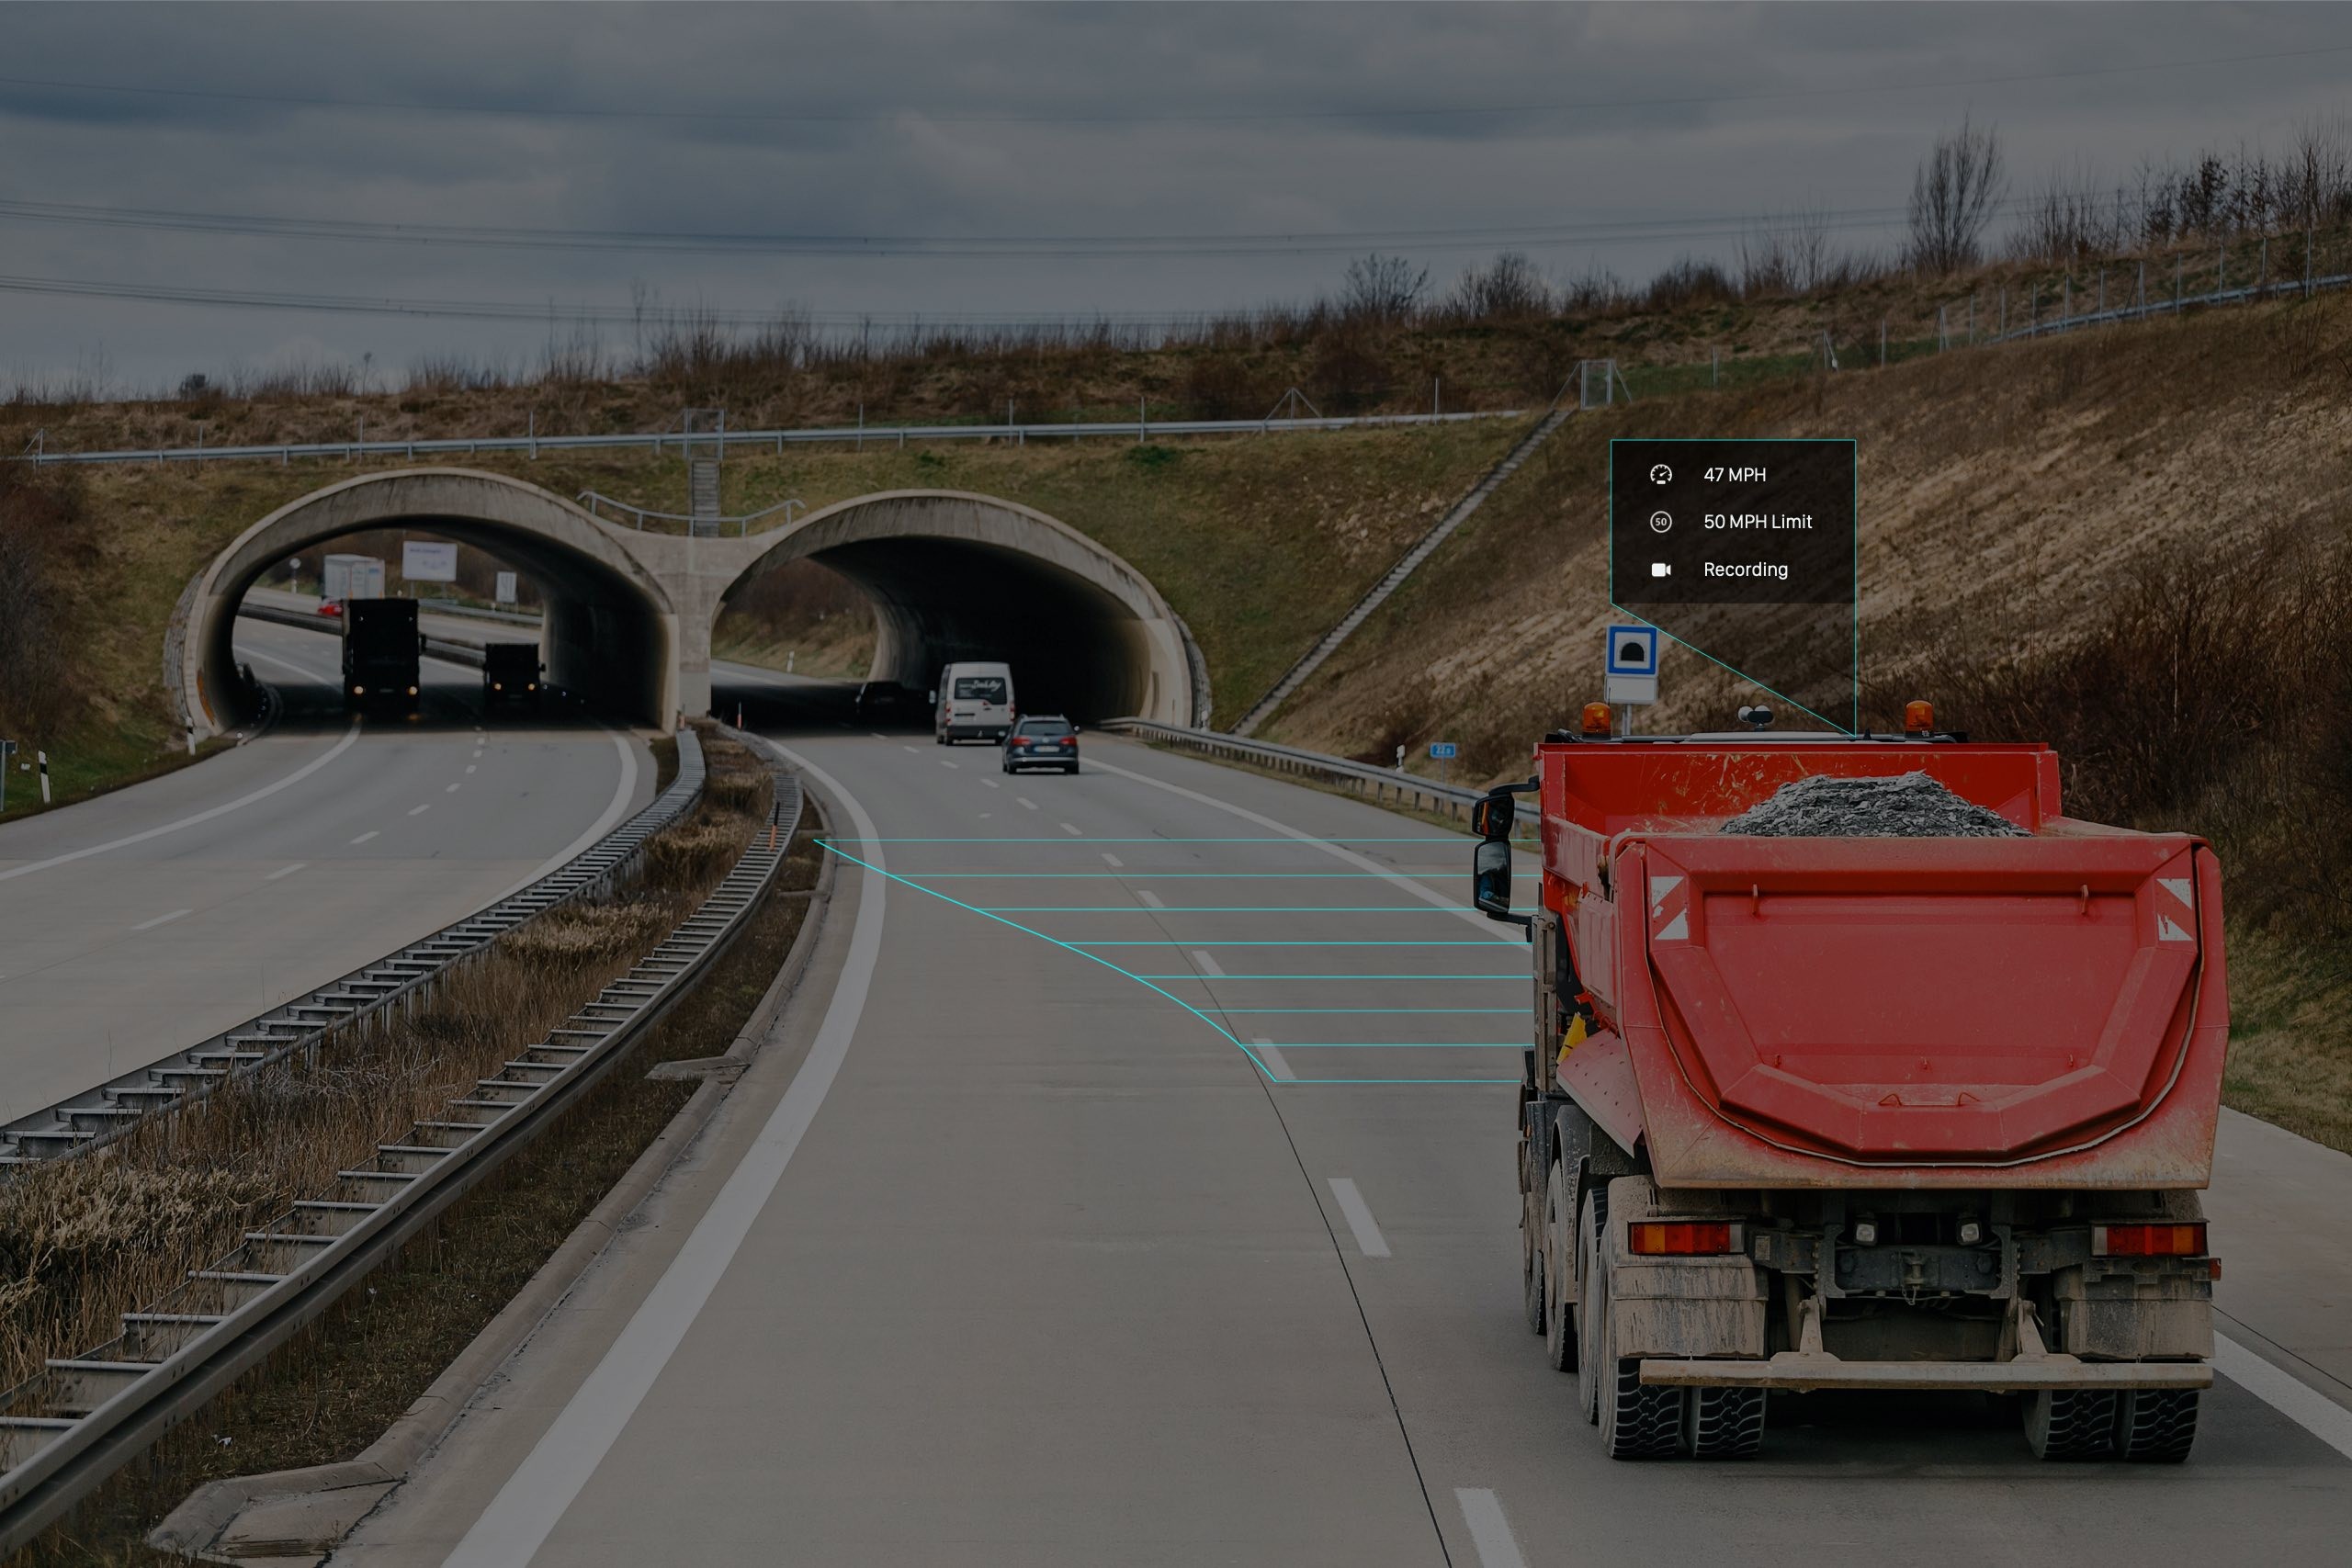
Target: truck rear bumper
x=1797 y=1373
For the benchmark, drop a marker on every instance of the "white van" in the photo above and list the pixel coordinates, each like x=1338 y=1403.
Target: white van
x=974 y=702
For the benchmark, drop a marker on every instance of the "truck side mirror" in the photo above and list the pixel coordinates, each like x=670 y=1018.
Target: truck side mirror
x=1493 y=816
x=1490 y=870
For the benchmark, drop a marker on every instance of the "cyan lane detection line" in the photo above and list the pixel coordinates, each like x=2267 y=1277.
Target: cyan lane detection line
x=1236 y=1040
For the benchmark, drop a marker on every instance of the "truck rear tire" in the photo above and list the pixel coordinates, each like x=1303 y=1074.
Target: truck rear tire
x=1640 y=1420
x=1593 y=1350
x=2155 y=1425
x=1559 y=1322
x=1726 y=1423
x=2070 y=1423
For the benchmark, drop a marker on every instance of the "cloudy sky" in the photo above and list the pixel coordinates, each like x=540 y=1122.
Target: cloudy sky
x=1140 y=159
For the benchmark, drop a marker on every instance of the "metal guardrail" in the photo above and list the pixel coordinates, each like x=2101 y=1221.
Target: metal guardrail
x=98 y=1116
x=327 y=625
x=1383 y=786
x=2146 y=309
x=64 y=1432
x=593 y=501
x=661 y=441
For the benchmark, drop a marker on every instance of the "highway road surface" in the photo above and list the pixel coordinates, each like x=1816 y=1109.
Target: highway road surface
x=138 y=923
x=1006 y=1252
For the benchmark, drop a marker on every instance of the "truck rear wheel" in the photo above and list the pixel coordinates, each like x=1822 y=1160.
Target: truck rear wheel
x=2155 y=1425
x=1559 y=1323
x=1726 y=1423
x=1591 y=1349
x=1533 y=1240
x=2070 y=1423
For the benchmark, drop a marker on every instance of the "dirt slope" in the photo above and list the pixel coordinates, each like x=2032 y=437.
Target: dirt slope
x=2005 y=493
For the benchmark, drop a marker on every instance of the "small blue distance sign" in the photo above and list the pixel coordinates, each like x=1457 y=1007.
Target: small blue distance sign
x=1441 y=750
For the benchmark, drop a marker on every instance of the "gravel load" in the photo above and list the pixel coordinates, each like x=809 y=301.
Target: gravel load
x=1910 y=806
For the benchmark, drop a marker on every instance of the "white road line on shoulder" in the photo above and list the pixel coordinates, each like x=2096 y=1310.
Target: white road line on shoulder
x=1110 y=859
x=1489 y=1530
x=286 y=871
x=350 y=737
x=614 y=809
x=1072 y=828
x=1026 y=801
x=370 y=833
x=161 y=919
x=419 y=810
x=1361 y=863
x=1152 y=900
x=1207 y=964
x=2285 y=1394
x=533 y=1499
x=1369 y=1240
x=1268 y=1054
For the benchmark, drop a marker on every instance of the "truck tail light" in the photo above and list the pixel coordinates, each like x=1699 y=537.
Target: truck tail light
x=1678 y=1238
x=2149 y=1241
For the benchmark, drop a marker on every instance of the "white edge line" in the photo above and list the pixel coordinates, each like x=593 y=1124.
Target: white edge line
x=350 y=737
x=2285 y=1394
x=535 y=1498
x=615 y=811
x=1369 y=1241
x=1489 y=1530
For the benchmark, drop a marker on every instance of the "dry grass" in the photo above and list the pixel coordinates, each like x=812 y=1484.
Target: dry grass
x=83 y=1240
x=332 y=1391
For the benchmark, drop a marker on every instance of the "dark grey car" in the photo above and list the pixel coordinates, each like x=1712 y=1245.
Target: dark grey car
x=1045 y=741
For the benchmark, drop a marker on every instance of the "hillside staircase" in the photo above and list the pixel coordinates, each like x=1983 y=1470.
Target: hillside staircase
x=1426 y=546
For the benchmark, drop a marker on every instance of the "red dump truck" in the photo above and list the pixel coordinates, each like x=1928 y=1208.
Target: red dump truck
x=1845 y=1112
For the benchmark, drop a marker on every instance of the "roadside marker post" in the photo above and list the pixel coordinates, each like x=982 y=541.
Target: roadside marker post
x=7 y=749
x=43 y=759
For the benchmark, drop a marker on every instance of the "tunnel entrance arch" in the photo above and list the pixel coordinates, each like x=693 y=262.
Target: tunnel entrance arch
x=954 y=575
x=611 y=630
x=951 y=575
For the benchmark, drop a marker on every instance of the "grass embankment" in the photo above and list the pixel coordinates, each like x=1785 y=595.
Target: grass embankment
x=1259 y=542
x=85 y=1239
x=2130 y=545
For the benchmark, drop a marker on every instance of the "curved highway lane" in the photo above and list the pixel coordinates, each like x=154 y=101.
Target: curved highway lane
x=140 y=922
x=1016 y=1245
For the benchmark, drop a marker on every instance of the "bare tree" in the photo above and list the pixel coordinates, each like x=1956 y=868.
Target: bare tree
x=1954 y=198
x=1509 y=288
x=1385 y=289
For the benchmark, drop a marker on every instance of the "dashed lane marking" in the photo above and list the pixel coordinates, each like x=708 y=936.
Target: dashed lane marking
x=1026 y=801
x=419 y=810
x=1071 y=829
x=370 y=833
x=1270 y=1058
x=1110 y=859
x=159 y=919
x=1209 y=965
x=991 y=784
x=1153 y=900
x=286 y=871
x=451 y=790
x=1369 y=1241
x=945 y=763
x=1489 y=1530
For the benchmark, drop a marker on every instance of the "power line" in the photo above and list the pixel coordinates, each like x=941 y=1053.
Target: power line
x=1068 y=246
x=1360 y=112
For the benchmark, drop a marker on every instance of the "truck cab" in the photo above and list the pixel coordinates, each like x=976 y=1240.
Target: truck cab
x=510 y=674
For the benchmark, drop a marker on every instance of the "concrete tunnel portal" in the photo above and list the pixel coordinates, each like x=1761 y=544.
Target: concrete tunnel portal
x=950 y=576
